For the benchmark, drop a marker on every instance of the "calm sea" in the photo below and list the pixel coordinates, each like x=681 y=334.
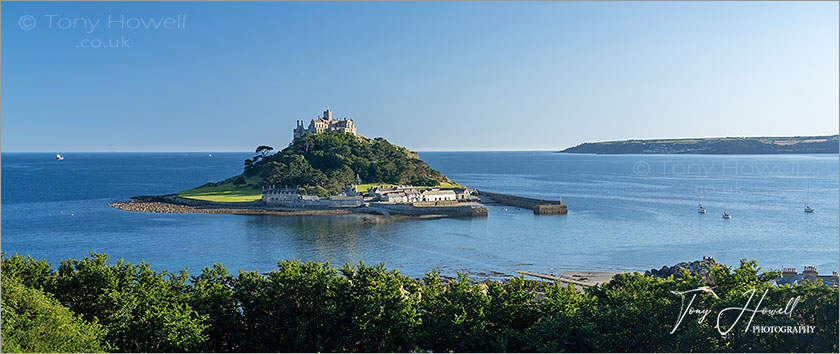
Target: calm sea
x=626 y=212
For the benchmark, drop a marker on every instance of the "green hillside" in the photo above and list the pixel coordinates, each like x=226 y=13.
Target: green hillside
x=323 y=164
x=827 y=144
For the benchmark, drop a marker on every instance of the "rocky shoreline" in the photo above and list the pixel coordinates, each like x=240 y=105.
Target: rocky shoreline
x=173 y=204
x=171 y=208
x=702 y=268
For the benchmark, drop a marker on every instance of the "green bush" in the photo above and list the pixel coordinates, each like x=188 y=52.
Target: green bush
x=313 y=307
x=33 y=321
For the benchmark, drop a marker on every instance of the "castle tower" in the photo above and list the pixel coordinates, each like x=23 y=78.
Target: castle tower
x=324 y=124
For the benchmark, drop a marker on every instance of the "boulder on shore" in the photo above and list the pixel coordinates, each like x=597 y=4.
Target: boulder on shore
x=702 y=268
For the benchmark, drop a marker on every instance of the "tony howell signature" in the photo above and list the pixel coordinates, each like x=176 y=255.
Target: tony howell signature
x=686 y=309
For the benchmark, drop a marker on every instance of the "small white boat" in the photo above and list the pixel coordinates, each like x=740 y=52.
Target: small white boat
x=726 y=215
x=209 y=155
x=700 y=208
x=59 y=157
x=808 y=208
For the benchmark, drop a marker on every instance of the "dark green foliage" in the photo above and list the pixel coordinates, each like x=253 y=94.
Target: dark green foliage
x=140 y=309
x=212 y=294
x=263 y=150
x=454 y=316
x=567 y=322
x=293 y=308
x=35 y=322
x=326 y=163
x=239 y=181
x=379 y=310
x=312 y=307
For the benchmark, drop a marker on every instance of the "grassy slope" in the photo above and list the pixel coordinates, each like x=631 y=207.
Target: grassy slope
x=227 y=192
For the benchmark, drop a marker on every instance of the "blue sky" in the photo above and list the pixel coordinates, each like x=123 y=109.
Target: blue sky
x=429 y=76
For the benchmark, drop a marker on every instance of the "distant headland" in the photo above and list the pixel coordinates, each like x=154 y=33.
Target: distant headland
x=824 y=144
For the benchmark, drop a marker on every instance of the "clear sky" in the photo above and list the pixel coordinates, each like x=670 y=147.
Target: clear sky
x=429 y=76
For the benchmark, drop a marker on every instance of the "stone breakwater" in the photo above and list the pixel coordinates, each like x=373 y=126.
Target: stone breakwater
x=428 y=211
x=539 y=206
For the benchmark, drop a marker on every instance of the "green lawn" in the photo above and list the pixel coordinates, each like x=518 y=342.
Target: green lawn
x=226 y=192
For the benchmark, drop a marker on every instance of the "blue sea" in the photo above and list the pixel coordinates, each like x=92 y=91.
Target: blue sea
x=626 y=213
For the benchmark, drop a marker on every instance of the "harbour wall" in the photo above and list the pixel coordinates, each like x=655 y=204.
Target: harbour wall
x=408 y=209
x=539 y=206
x=318 y=204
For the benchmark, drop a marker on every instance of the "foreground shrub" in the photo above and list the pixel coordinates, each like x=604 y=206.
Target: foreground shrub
x=313 y=307
x=35 y=322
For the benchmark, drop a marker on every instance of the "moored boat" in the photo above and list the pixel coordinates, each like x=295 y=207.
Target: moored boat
x=808 y=208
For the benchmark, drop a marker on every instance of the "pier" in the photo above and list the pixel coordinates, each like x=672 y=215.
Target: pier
x=430 y=211
x=539 y=206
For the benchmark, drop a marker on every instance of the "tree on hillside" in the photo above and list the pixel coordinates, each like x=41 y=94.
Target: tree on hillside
x=325 y=163
x=263 y=150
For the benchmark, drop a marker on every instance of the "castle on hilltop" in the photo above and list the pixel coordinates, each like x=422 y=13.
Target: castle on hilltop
x=325 y=124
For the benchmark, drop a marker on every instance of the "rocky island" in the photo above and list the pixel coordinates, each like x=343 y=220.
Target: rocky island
x=329 y=169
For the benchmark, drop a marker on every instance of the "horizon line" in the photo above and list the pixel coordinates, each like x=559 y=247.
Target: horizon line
x=249 y=151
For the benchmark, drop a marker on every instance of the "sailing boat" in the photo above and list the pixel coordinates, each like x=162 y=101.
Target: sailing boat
x=725 y=214
x=700 y=208
x=59 y=157
x=808 y=209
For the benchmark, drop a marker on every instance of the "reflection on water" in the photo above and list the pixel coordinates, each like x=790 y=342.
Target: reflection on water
x=619 y=219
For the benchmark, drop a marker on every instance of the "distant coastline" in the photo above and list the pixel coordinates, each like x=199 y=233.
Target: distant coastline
x=823 y=144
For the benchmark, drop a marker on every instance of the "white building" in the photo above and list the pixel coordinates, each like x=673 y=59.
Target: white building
x=463 y=194
x=436 y=195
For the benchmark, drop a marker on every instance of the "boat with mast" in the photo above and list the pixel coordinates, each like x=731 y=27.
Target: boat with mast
x=700 y=208
x=726 y=215
x=808 y=208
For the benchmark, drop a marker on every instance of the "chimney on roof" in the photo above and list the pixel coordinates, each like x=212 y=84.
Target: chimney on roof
x=788 y=272
x=809 y=270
